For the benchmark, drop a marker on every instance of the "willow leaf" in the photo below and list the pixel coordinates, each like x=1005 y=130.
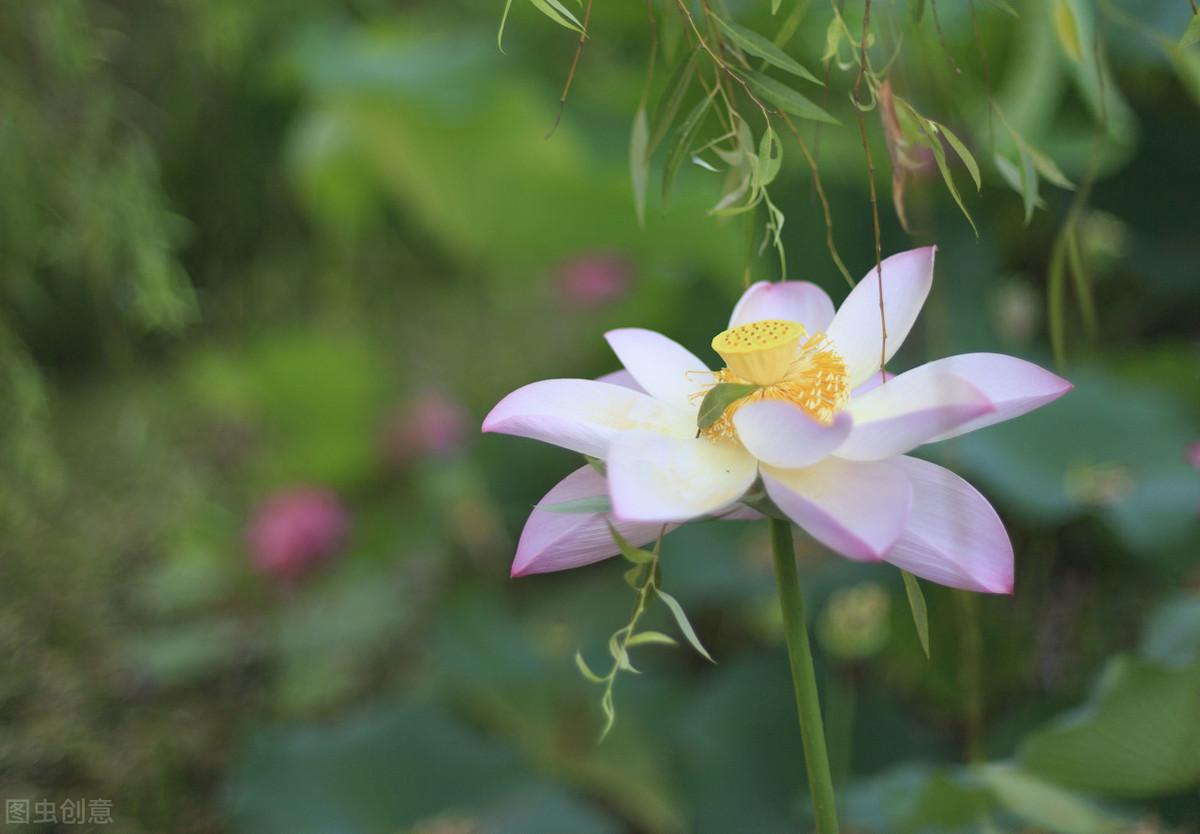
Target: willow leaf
x=787 y=99
x=761 y=47
x=719 y=398
x=920 y=613
x=682 y=621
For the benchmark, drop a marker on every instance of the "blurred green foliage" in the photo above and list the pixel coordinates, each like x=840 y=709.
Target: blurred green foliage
x=241 y=241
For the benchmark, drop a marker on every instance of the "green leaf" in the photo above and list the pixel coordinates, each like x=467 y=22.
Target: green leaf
x=1191 y=35
x=939 y=156
x=916 y=601
x=775 y=5
x=965 y=155
x=586 y=670
x=1049 y=169
x=1137 y=736
x=651 y=638
x=719 y=398
x=1067 y=29
x=672 y=97
x=593 y=504
x=917 y=7
x=639 y=163
x=685 y=135
x=1045 y=805
x=1003 y=5
x=1083 y=286
x=559 y=13
x=618 y=651
x=770 y=159
x=1055 y=291
x=596 y=464
x=1187 y=67
x=503 y=20
x=636 y=555
x=787 y=99
x=761 y=47
x=682 y=621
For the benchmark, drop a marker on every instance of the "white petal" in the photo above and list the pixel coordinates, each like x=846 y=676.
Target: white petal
x=908 y=411
x=583 y=414
x=856 y=509
x=873 y=382
x=560 y=540
x=622 y=378
x=1013 y=386
x=784 y=435
x=953 y=536
x=856 y=332
x=652 y=477
x=798 y=301
x=665 y=370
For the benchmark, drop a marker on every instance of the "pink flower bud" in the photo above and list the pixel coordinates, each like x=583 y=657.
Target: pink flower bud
x=431 y=425
x=296 y=530
x=594 y=278
x=1193 y=455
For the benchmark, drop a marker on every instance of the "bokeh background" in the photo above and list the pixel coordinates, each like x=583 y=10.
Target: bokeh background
x=265 y=266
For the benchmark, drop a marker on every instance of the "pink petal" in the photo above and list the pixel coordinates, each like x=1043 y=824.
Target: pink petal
x=782 y=434
x=653 y=477
x=856 y=509
x=856 y=333
x=622 y=378
x=908 y=411
x=561 y=540
x=953 y=536
x=665 y=370
x=1013 y=386
x=582 y=414
x=798 y=301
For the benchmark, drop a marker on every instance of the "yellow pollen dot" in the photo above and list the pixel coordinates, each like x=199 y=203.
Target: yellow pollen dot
x=786 y=363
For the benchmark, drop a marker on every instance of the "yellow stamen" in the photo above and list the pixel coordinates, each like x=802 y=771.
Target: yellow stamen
x=787 y=364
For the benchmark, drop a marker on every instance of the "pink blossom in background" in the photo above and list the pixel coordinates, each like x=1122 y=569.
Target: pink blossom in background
x=431 y=425
x=593 y=278
x=295 y=530
x=1193 y=455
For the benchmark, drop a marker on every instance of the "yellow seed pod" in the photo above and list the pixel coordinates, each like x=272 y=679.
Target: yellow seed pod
x=761 y=352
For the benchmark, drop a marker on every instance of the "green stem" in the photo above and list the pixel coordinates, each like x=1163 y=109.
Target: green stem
x=804 y=681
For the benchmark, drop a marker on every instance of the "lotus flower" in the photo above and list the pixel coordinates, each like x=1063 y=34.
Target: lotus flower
x=296 y=530
x=804 y=412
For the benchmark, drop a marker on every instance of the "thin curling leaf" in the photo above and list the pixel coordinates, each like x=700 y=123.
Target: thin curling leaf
x=682 y=621
x=1067 y=29
x=639 y=163
x=920 y=613
x=1055 y=285
x=651 y=638
x=586 y=671
x=1191 y=35
x=787 y=99
x=685 y=135
x=761 y=47
x=939 y=156
x=559 y=13
x=610 y=713
x=636 y=555
x=770 y=159
x=963 y=153
x=1005 y=6
x=620 y=654
x=503 y=21
x=593 y=504
x=1049 y=169
x=1029 y=182
x=1083 y=284
x=672 y=97
x=719 y=398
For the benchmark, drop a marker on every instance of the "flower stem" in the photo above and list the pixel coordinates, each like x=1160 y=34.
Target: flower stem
x=804 y=681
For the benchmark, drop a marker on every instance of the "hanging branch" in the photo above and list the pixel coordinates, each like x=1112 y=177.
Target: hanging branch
x=562 y=100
